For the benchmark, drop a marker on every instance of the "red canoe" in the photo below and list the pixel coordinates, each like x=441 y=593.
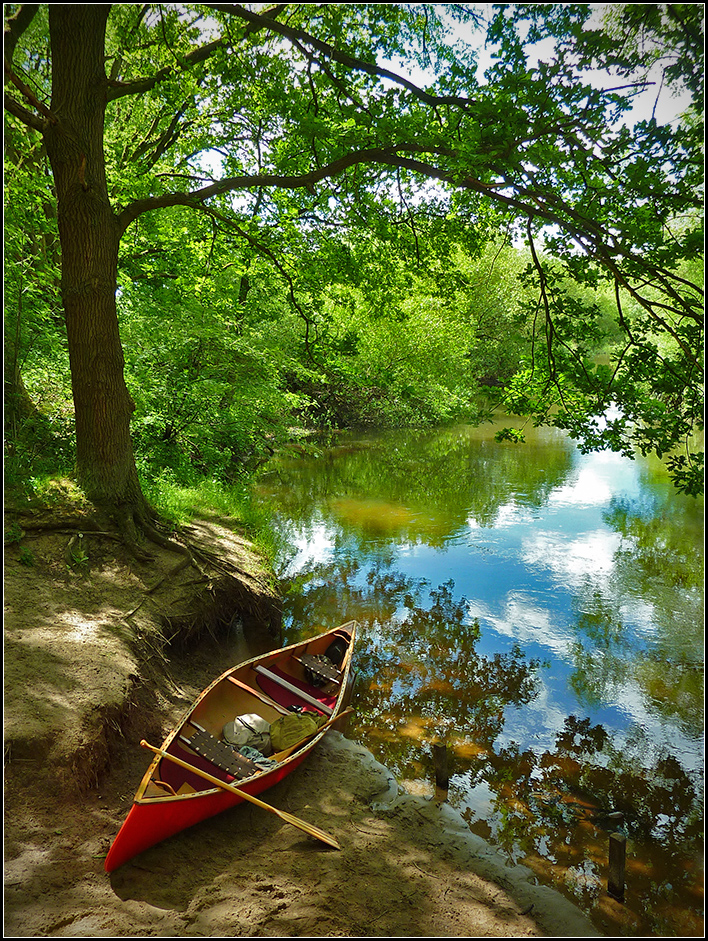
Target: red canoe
x=312 y=676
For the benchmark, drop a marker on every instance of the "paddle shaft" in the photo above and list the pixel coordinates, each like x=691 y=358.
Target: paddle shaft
x=288 y=818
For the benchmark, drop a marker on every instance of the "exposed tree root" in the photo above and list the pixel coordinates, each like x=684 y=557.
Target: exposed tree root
x=219 y=585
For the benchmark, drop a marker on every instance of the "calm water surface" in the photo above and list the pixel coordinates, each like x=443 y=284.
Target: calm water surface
x=539 y=610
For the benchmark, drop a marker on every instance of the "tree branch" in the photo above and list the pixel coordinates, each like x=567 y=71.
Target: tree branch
x=15 y=27
x=201 y=54
x=590 y=237
x=232 y=184
x=29 y=95
x=299 y=36
x=20 y=112
x=141 y=85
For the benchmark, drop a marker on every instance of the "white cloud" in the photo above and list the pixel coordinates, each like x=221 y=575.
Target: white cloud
x=573 y=560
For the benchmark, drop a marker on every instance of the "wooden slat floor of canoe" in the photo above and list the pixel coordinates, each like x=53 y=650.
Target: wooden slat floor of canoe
x=175 y=776
x=321 y=667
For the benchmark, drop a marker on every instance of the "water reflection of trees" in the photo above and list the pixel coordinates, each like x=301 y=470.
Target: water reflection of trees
x=422 y=676
x=479 y=476
x=557 y=807
x=658 y=567
x=417 y=658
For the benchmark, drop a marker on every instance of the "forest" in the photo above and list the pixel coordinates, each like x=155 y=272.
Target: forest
x=229 y=225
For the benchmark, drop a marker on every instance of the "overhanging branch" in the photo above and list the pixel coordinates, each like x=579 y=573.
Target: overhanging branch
x=279 y=181
x=588 y=235
x=300 y=36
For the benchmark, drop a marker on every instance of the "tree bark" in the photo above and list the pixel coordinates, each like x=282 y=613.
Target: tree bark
x=90 y=234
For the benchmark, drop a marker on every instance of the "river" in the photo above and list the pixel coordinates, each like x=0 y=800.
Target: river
x=539 y=611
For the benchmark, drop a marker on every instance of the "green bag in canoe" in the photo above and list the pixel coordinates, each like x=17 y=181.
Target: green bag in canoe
x=291 y=729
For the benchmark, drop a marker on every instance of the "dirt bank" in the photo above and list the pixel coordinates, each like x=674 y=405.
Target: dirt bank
x=87 y=675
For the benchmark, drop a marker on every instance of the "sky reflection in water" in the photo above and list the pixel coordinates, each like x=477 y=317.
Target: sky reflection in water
x=584 y=571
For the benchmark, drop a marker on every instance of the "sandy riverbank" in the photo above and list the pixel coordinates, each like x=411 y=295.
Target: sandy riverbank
x=407 y=867
x=87 y=676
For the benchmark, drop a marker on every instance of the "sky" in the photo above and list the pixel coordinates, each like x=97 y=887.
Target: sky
x=657 y=100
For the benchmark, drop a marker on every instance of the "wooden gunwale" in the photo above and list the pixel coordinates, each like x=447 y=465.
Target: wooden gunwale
x=156 y=815
x=261 y=778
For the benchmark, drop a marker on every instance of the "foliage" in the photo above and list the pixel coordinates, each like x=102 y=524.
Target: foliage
x=403 y=344
x=309 y=235
x=214 y=401
x=38 y=417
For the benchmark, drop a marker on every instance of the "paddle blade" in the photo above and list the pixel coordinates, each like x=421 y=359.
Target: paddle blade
x=310 y=828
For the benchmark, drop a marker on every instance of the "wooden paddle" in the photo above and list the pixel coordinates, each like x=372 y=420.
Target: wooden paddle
x=288 y=818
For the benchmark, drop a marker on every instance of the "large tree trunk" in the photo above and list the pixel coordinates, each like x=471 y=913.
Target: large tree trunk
x=89 y=236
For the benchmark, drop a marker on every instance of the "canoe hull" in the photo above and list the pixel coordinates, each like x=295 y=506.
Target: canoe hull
x=148 y=824
x=157 y=815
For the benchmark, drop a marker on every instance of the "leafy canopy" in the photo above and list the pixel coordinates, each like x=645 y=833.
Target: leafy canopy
x=295 y=132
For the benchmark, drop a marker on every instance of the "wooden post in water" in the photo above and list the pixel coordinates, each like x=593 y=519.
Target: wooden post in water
x=441 y=773
x=615 y=881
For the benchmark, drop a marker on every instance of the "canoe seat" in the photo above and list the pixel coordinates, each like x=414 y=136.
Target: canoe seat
x=221 y=755
x=321 y=667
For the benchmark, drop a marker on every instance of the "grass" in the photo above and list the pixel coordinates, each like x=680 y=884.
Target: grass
x=178 y=504
x=230 y=504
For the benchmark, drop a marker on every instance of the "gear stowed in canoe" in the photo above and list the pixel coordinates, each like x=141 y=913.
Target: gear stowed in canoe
x=246 y=732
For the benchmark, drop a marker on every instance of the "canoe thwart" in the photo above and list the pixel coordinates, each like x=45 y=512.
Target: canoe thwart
x=301 y=694
x=259 y=695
